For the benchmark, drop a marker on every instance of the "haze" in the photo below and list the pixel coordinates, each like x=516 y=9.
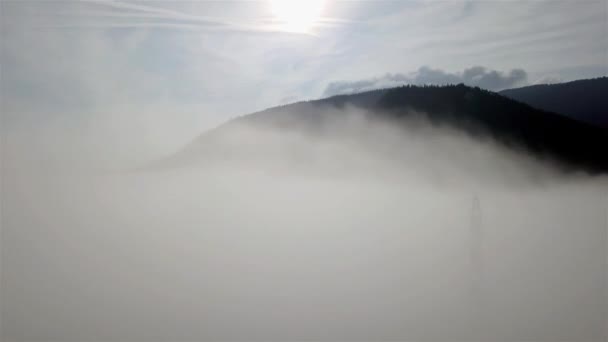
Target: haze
x=135 y=207
x=320 y=238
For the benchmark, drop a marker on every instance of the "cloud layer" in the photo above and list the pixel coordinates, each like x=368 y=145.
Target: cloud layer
x=474 y=76
x=362 y=234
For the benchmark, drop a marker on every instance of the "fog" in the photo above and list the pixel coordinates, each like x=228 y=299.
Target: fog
x=354 y=229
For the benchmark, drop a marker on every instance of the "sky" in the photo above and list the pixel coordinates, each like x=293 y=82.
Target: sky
x=144 y=78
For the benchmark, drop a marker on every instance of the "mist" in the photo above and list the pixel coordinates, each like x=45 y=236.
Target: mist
x=349 y=229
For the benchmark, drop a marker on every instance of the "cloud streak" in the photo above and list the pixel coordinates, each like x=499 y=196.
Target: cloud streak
x=122 y=14
x=475 y=76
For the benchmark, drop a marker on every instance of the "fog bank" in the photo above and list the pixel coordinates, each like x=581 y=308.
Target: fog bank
x=359 y=231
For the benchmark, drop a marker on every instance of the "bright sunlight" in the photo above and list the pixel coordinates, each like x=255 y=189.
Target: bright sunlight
x=296 y=15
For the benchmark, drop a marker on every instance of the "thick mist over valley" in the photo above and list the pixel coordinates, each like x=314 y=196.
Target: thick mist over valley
x=353 y=227
x=408 y=171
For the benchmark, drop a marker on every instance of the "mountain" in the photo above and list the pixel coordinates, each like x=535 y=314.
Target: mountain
x=480 y=113
x=584 y=100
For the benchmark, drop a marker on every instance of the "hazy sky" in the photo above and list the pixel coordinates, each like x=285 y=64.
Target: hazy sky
x=94 y=73
x=415 y=233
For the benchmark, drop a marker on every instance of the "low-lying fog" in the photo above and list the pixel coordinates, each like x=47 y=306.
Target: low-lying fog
x=361 y=233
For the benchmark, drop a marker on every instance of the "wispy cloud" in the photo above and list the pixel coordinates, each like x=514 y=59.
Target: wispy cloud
x=98 y=14
x=475 y=76
x=177 y=17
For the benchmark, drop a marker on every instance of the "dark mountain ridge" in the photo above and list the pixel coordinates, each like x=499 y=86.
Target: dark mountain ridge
x=583 y=100
x=572 y=144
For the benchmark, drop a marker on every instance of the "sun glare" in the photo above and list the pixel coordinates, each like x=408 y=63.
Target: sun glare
x=296 y=15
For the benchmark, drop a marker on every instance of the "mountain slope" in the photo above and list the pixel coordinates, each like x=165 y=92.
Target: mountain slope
x=478 y=112
x=584 y=100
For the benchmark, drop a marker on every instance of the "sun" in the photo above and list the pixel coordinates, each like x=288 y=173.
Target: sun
x=298 y=16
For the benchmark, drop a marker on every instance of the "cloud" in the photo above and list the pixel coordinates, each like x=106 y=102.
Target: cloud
x=95 y=14
x=130 y=15
x=289 y=99
x=474 y=76
x=414 y=228
x=492 y=79
x=548 y=79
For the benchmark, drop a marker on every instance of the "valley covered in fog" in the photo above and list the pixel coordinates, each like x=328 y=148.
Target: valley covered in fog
x=360 y=230
x=409 y=171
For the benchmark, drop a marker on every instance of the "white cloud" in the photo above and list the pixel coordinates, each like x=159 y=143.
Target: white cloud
x=474 y=76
